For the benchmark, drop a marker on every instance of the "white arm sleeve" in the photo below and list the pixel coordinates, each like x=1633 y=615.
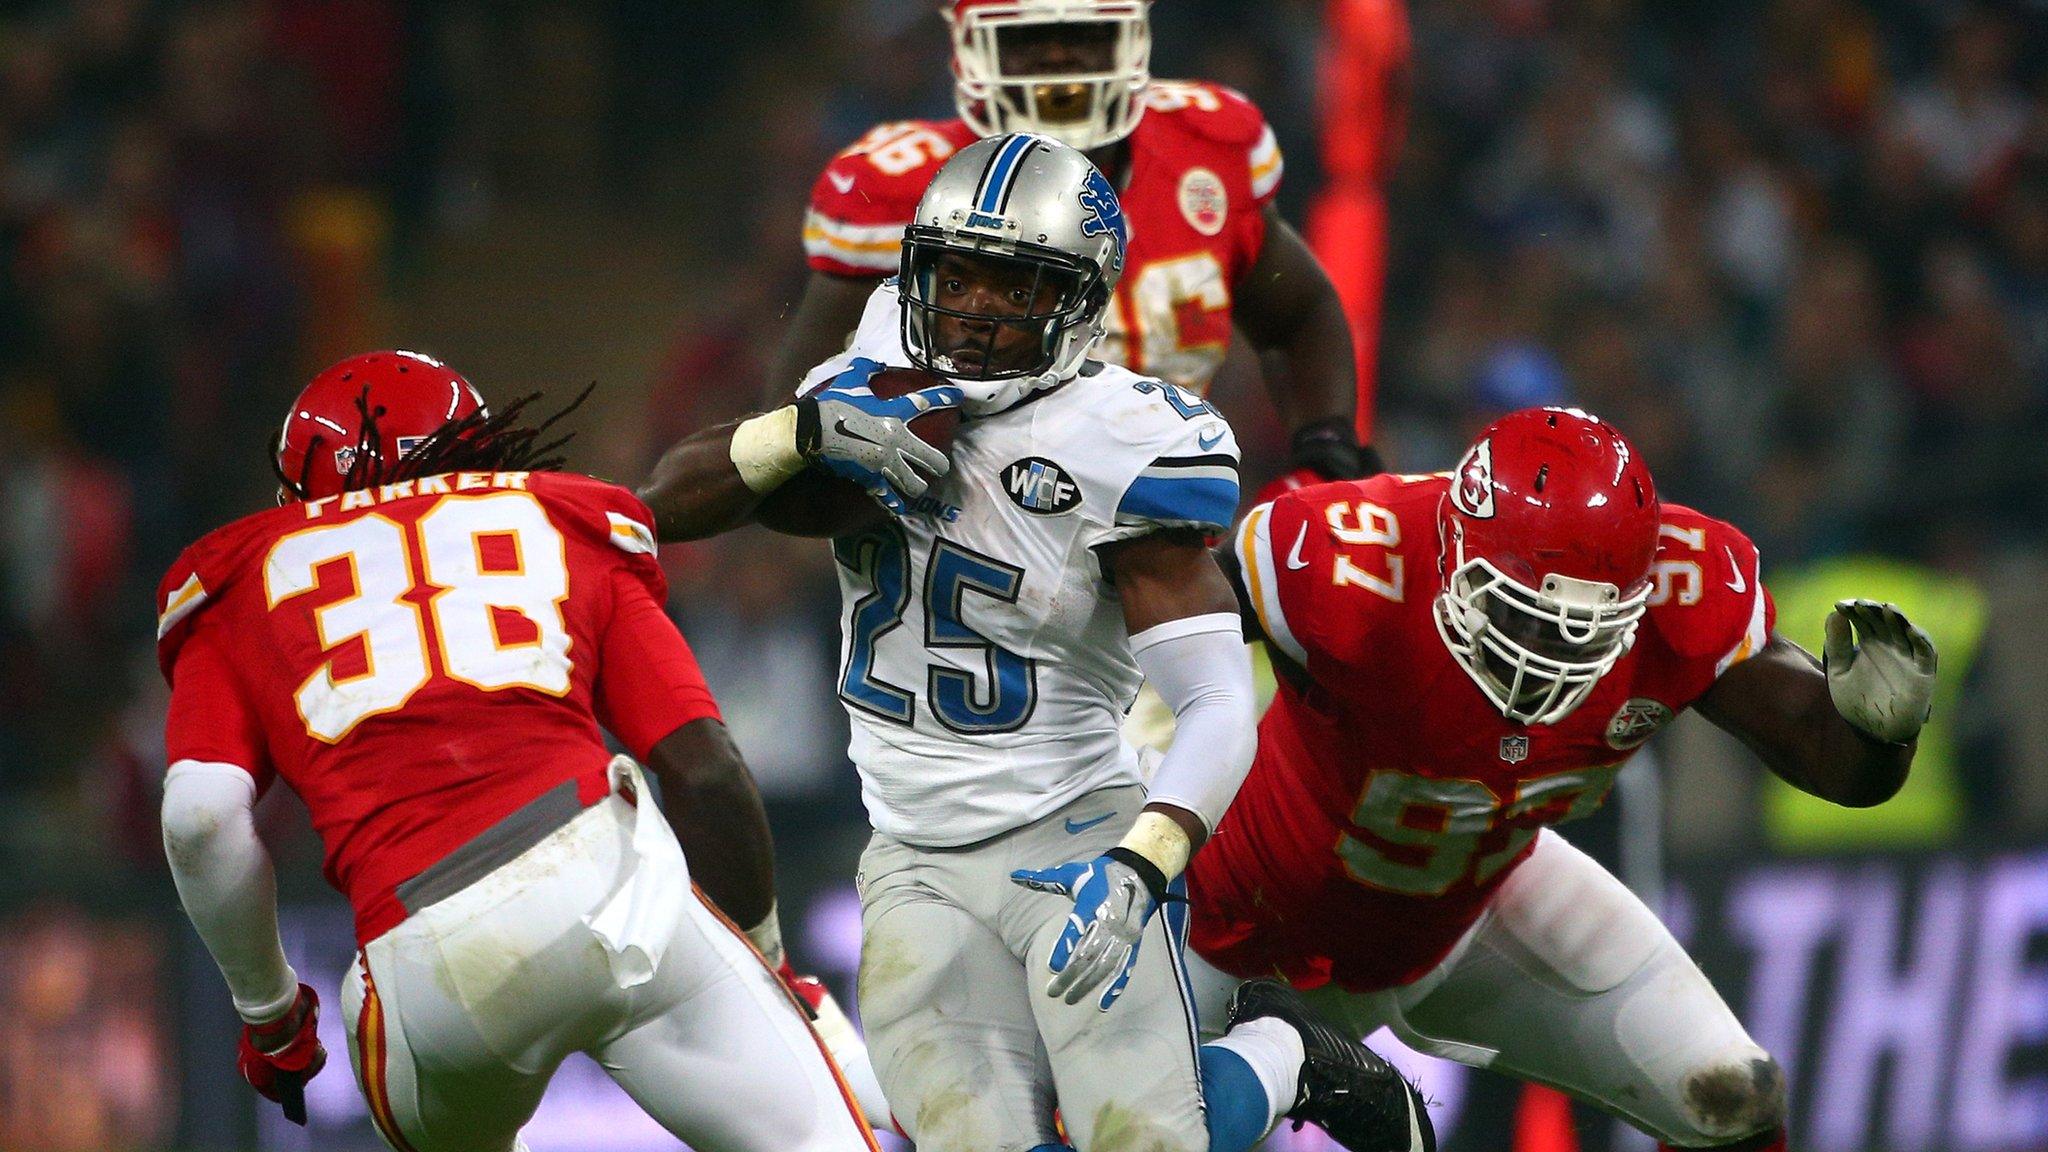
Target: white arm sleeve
x=1200 y=666
x=226 y=883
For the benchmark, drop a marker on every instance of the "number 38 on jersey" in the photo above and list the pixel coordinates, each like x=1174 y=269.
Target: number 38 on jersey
x=472 y=589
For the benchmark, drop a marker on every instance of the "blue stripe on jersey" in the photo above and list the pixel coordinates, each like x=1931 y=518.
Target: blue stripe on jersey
x=999 y=174
x=1206 y=500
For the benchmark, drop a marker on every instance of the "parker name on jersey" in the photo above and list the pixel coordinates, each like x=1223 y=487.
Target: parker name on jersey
x=985 y=661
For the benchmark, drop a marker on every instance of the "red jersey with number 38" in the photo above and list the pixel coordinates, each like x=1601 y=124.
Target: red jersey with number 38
x=420 y=660
x=1390 y=799
x=1204 y=165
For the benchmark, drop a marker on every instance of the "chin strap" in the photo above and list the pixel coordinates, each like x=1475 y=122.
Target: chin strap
x=988 y=397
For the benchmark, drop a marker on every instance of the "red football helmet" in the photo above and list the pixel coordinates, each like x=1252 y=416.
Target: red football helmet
x=1549 y=530
x=1093 y=101
x=410 y=397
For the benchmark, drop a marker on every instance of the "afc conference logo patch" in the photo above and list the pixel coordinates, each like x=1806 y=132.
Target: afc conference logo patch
x=1472 y=487
x=1514 y=749
x=1636 y=721
x=1203 y=201
x=1041 y=487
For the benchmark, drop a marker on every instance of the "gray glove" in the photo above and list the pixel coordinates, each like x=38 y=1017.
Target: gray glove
x=851 y=432
x=1884 y=684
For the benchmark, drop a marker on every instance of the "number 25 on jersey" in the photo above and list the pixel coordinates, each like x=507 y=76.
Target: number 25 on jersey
x=482 y=602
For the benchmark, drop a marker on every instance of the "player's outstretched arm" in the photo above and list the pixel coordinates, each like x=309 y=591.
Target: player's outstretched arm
x=696 y=490
x=1289 y=310
x=1844 y=730
x=226 y=883
x=1183 y=619
x=825 y=319
x=717 y=479
x=228 y=887
x=710 y=800
x=1184 y=629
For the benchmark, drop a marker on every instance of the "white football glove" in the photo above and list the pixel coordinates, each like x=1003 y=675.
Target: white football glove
x=1884 y=685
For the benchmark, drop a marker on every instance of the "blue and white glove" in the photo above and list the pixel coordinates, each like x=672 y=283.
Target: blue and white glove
x=857 y=435
x=1115 y=895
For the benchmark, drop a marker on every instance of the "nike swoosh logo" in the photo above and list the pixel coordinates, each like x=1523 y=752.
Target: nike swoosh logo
x=1208 y=442
x=842 y=182
x=850 y=434
x=1076 y=827
x=1294 y=561
x=1740 y=583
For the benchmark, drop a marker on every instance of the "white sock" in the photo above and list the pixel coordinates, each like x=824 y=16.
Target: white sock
x=859 y=1071
x=1273 y=1049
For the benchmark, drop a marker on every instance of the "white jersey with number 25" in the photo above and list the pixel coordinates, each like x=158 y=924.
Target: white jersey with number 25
x=984 y=658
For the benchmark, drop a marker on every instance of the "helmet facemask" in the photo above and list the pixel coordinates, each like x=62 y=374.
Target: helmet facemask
x=1536 y=652
x=1086 y=96
x=1049 y=316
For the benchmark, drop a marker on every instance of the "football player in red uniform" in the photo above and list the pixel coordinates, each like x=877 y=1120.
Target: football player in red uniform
x=423 y=641
x=1468 y=658
x=1195 y=167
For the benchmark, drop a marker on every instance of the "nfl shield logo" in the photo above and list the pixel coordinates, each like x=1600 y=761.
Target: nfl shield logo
x=1514 y=749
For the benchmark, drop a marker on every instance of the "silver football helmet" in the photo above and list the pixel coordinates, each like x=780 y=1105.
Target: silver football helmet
x=1018 y=240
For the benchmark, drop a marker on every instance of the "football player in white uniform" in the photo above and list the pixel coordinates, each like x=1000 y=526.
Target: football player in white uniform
x=998 y=621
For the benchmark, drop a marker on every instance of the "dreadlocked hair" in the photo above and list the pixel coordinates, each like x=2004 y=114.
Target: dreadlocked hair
x=482 y=441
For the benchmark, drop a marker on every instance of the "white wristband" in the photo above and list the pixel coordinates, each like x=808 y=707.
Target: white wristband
x=1157 y=838
x=764 y=450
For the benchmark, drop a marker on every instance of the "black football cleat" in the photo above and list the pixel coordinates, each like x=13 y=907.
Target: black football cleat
x=1356 y=1098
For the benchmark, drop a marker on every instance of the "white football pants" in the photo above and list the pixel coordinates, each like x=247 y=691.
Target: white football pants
x=970 y=1049
x=592 y=940
x=1569 y=980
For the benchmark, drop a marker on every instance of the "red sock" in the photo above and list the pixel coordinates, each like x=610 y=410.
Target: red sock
x=1543 y=1121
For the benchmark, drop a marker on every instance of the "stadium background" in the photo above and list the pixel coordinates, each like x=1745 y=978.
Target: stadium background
x=1797 y=249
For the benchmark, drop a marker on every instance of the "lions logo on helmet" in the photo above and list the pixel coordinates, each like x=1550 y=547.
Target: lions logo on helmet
x=1105 y=213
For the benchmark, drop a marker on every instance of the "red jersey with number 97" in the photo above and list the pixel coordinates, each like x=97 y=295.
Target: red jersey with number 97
x=1389 y=798
x=420 y=660
x=1203 y=167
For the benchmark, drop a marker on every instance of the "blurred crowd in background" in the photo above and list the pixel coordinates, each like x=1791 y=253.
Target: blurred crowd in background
x=1796 y=249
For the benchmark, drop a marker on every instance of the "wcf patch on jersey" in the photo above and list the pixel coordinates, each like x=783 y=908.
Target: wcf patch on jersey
x=1041 y=487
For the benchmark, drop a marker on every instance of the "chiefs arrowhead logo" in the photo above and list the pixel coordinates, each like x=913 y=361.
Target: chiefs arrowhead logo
x=1472 y=486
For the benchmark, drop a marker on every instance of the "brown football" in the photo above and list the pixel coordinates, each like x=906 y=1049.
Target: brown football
x=817 y=503
x=935 y=428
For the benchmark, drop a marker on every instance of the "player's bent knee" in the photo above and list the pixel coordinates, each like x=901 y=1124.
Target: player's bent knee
x=1730 y=1102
